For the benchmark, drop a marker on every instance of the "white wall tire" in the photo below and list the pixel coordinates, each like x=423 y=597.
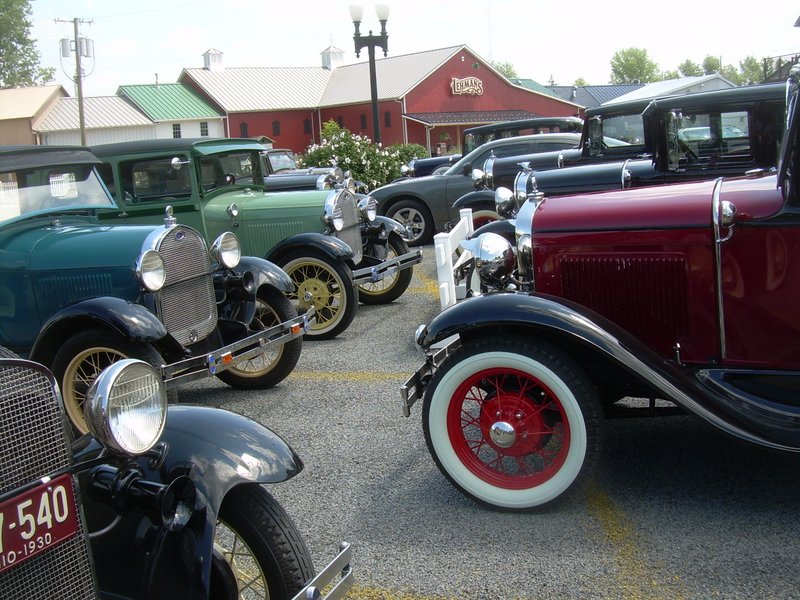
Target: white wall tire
x=503 y=448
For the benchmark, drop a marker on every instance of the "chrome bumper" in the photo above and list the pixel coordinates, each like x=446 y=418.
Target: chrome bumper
x=387 y=267
x=231 y=355
x=414 y=387
x=338 y=567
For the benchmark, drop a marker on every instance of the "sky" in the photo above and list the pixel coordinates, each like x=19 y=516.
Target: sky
x=148 y=40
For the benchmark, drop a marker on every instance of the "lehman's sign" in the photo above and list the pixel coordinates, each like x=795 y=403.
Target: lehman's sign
x=469 y=85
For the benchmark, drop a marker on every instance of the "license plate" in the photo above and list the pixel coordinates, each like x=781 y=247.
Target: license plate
x=36 y=521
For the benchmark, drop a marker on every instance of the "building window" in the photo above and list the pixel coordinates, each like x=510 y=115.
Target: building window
x=204 y=128
x=276 y=128
x=243 y=130
x=176 y=130
x=387 y=119
x=307 y=126
x=340 y=121
x=363 y=121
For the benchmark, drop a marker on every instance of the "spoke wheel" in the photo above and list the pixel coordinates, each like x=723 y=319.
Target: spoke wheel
x=391 y=287
x=276 y=362
x=83 y=357
x=327 y=286
x=512 y=424
x=261 y=547
x=415 y=218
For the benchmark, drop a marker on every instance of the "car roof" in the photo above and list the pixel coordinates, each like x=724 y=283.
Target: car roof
x=30 y=156
x=201 y=145
x=567 y=135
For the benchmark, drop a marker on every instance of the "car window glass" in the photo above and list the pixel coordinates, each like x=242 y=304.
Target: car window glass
x=151 y=180
x=50 y=188
x=280 y=161
x=546 y=146
x=626 y=128
x=713 y=138
x=501 y=151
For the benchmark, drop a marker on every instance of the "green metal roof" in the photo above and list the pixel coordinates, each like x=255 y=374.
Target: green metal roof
x=168 y=101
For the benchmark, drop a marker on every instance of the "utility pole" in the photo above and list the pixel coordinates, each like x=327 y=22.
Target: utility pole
x=82 y=47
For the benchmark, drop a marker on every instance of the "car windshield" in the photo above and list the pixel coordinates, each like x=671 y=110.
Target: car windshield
x=49 y=189
x=281 y=161
x=220 y=170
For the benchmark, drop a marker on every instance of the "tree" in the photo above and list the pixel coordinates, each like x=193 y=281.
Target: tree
x=689 y=68
x=711 y=65
x=505 y=68
x=19 y=58
x=580 y=81
x=633 y=65
x=752 y=71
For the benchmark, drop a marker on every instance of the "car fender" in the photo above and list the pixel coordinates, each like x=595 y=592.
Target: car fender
x=330 y=246
x=129 y=320
x=264 y=272
x=477 y=200
x=381 y=227
x=568 y=324
x=217 y=450
x=503 y=227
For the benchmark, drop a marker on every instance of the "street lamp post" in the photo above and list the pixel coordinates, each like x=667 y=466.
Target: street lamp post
x=371 y=42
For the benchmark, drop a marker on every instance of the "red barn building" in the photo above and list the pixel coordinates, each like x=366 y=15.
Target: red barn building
x=426 y=98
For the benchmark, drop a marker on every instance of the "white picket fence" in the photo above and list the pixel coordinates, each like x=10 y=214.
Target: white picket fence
x=445 y=246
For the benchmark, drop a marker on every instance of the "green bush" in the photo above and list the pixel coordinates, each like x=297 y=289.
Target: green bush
x=371 y=163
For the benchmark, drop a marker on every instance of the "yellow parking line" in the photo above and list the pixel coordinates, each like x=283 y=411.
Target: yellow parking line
x=636 y=578
x=351 y=376
x=427 y=285
x=358 y=592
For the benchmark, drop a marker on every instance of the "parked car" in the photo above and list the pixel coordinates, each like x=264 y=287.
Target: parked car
x=154 y=502
x=283 y=174
x=684 y=138
x=682 y=295
x=473 y=137
x=77 y=294
x=423 y=205
x=330 y=242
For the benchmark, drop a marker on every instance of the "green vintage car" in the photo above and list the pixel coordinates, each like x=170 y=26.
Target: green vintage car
x=330 y=242
x=77 y=295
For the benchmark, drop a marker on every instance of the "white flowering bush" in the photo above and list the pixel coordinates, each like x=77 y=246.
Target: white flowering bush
x=368 y=162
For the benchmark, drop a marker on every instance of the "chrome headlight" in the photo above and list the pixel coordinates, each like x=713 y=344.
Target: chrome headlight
x=368 y=207
x=494 y=258
x=226 y=250
x=478 y=177
x=151 y=271
x=411 y=165
x=334 y=215
x=504 y=203
x=126 y=406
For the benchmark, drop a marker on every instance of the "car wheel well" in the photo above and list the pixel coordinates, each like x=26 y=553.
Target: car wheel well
x=608 y=377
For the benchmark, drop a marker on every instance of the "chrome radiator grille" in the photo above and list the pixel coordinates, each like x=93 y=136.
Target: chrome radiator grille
x=186 y=303
x=351 y=232
x=33 y=445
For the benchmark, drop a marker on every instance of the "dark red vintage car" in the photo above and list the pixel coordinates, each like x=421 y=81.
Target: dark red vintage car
x=681 y=295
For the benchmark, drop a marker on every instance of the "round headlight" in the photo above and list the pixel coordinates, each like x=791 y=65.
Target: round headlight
x=126 y=406
x=494 y=258
x=504 y=202
x=337 y=217
x=226 y=250
x=368 y=207
x=150 y=270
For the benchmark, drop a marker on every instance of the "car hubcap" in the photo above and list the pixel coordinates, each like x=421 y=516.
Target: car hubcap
x=508 y=428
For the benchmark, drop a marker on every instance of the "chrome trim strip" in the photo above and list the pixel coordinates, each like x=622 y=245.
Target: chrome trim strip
x=715 y=219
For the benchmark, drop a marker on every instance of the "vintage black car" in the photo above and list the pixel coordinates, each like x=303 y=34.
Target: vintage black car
x=423 y=205
x=665 y=140
x=155 y=502
x=77 y=294
x=283 y=173
x=678 y=299
x=477 y=136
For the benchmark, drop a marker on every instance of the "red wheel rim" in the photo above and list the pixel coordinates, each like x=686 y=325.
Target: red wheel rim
x=478 y=222
x=508 y=428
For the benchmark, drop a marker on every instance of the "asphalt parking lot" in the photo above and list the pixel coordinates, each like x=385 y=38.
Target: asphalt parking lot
x=676 y=510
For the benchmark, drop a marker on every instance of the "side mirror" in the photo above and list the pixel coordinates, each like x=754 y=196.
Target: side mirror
x=467 y=169
x=176 y=163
